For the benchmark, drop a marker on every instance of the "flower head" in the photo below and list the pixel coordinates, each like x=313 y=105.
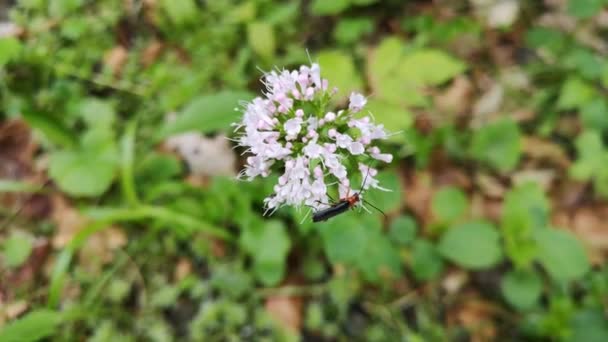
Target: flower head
x=290 y=131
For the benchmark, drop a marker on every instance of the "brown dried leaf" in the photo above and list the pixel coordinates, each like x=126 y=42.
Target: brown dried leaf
x=476 y=315
x=100 y=247
x=419 y=193
x=457 y=98
x=115 y=59
x=68 y=221
x=286 y=310
x=545 y=150
x=182 y=269
x=590 y=224
x=152 y=52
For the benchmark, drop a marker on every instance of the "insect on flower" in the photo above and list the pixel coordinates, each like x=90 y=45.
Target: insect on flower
x=349 y=202
x=293 y=130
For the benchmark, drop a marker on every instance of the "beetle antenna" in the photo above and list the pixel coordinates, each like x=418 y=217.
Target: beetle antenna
x=364 y=181
x=373 y=206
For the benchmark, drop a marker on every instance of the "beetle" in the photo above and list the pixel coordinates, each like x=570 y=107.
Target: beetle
x=342 y=206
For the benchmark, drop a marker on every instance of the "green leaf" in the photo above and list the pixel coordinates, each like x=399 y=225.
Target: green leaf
x=525 y=209
x=429 y=67
x=585 y=8
x=51 y=128
x=61 y=8
x=260 y=35
x=403 y=230
x=32 y=327
x=591 y=155
x=343 y=238
x=575 y=93
x=473 y=245
x=268 y=244
x=180 y=12
x=323 y=7
x=589 y=325
x=389 y=85
x=88 y=170
x=449 y=204
x=561 y=254
x=594 y=115
x=498 y=144
x=585 y=62
x=395 y=118
x=16 y=249
x=96 y=112
x=357 y=240
x=208 y=113
x=387 y=201
x=339 y=68
x=522 y=289
x=426 y=262
x=551 y=39
x=379 y=259
x=350 y=30
x=9 y=49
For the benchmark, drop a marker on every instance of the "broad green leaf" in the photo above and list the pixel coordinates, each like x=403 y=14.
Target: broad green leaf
x=426 y=262
x=180 y=12
x=403 y=230
x=389 y=86
x=395 y=118
x=585 y=8
x=561 y=254
x=349 y=30
x=473 y=245
x=9 y=49
x=594 y=115
x=268 y=244
x=89 y=169
x=357 y=240
x=591 y=155
x=387 y=201
x=343 y=238
x=585 y=63
x=384 y=59
x=522 y=289
x=379 y=259
x=53 y=130
x=449 y=204
x=575 y=93
x=339 y=69
x=323 y=7
x=32 y=327
x=525 y=209
x=498 y=144
x=165 y=296
x=96 y=112
x=429 y=67
x=16 y=249
x=589 y=325
x=231 y=281
x=551 y=39
x=208 y=113
x=260 y=35
x=61 y=8
x=526 y=204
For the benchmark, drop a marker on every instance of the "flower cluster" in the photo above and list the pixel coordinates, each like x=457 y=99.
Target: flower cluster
x=290 y=131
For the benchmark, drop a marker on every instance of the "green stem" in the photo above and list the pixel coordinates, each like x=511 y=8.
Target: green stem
x=128 y=156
